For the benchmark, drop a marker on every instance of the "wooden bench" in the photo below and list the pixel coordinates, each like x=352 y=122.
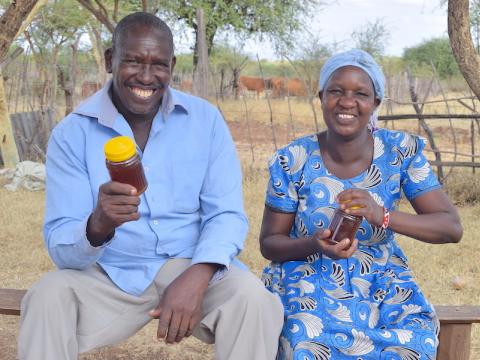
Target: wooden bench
x=455 y=335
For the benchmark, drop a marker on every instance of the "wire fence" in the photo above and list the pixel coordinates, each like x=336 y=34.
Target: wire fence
x=265 y=113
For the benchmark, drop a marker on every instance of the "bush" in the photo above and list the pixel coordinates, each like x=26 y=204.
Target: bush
x=463 y=187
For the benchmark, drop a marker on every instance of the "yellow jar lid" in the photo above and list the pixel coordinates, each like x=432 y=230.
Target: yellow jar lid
x=119 y=149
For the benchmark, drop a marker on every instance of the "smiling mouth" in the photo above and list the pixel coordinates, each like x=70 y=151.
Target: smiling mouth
x=345 y=116
x=142 y=93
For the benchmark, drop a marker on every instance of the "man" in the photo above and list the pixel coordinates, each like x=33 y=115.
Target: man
x=167 y=254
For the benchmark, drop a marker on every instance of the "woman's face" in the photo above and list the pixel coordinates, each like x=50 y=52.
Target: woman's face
x=348 y=101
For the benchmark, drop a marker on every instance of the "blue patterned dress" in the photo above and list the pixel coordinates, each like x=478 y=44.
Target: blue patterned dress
x=367 y=306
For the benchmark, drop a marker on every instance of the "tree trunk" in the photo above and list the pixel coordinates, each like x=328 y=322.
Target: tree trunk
x=64 y=85
x=222 y=80
x=209 y=41
x=7 y=141
x=11 y=23
x=97 y=51
x=67 y=83
x=462 y=44
x=200 y=76
x=235 y=82
x=100 y=12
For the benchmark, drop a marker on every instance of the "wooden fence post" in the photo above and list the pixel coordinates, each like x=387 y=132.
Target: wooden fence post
x=421 y=119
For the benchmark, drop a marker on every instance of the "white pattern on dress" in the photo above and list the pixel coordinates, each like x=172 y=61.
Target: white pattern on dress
x=362 y=344
x=313 y=324
x=335 y=187
x=419 y=174
x=378 y=148
x=299 y=158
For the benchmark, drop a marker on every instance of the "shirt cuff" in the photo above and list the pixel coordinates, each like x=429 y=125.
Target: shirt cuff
x=84 y=244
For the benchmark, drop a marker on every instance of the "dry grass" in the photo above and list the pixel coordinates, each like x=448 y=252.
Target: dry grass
x=24 y=258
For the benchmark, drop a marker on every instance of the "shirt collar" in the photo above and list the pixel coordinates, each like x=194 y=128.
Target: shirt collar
x=101 y=107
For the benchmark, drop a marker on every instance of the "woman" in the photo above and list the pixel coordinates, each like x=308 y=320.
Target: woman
x=356 y=298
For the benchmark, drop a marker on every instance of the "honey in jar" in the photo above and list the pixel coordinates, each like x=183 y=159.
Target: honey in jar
x=344 y=225
x=124 y=163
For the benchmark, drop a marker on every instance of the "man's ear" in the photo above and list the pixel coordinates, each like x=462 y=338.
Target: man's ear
x=174 y=62
x=108 y=60
x=320 y=93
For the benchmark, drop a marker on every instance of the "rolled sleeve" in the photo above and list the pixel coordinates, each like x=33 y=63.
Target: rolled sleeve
x=69 y=202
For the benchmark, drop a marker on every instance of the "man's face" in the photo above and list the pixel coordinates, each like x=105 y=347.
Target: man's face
x=141 y=65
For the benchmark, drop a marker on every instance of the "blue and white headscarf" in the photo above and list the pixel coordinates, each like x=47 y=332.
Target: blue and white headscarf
x=362 y=60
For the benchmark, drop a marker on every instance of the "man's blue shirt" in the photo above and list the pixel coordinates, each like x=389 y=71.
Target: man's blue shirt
x=192 y=208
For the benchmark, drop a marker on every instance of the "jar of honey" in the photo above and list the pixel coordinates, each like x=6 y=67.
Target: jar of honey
x=124 y=163
x=344 y=225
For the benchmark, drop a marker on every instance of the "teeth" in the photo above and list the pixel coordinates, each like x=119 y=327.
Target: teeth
x=345 y=116
x=142 y=93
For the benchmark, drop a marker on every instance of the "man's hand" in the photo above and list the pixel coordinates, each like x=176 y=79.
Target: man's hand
x=180 y=307
x=117 y=203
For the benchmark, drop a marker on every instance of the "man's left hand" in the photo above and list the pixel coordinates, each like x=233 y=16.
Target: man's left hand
x=180 y=308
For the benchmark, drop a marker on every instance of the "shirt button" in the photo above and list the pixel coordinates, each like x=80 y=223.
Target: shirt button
x=145 y=168
x=155 y=222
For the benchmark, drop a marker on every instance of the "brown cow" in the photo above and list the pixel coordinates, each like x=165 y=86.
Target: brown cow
x=289 y=87
x=296 y=87
x=253 y=84
x=89 y=88
x=278 y=86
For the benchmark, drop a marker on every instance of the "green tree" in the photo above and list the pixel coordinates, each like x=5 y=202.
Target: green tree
x=56 y=27
x=475 y=22
x=372 y=37
x=14 y=17
x=227 y=63
x=275 y=18
x=278 y=19
x=436 y=51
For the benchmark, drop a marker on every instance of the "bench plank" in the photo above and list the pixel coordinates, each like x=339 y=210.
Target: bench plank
x=10 y=301
x=460 y=314
x=455 y=330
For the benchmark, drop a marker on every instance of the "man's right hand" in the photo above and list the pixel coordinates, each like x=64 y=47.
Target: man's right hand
x=117 y=204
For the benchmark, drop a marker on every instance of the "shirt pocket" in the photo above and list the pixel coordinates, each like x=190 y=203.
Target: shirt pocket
x=188 y=177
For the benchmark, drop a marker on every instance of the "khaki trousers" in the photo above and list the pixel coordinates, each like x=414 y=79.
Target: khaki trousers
x=70 y=311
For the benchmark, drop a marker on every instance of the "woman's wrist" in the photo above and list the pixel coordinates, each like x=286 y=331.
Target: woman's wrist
x=313 y=244
x=386 y=218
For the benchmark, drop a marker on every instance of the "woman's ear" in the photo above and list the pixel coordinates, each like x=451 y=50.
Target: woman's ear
x=377 y=102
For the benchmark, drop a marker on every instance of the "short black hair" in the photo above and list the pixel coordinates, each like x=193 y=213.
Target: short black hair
x=141 y=19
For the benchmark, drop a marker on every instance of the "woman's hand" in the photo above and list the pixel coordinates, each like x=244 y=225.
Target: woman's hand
x=360 y=202
x=335 y=250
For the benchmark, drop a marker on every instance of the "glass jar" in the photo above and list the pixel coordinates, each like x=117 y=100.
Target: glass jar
x=124 y=163
x=344 y=225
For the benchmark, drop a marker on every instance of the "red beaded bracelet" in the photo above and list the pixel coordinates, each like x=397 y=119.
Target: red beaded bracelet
x=386 y=218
